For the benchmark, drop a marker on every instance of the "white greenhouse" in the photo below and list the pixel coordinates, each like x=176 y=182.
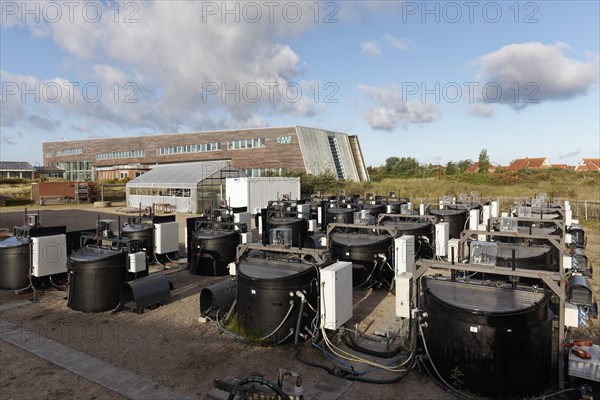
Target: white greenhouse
x=187 y=187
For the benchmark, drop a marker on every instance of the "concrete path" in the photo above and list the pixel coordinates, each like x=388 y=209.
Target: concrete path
x=114 y=378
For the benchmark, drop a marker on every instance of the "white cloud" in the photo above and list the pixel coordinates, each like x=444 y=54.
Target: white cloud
x=171 y=57
x=570 y=154
x=522 y=74
x=371 y=48
x=391 y=111
x=398 y=43
x=480 y=109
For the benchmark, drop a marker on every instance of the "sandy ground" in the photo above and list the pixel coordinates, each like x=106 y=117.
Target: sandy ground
x=168 y=344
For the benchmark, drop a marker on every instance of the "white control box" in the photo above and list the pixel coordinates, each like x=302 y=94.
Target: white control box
x=568 y=217
x=403 y=286
x=482 y=237
x=246 y=237
x=243 y=218
x=571 y=315
x=49 y=255
x=137 y=262
x=495 y=209
x=336 y=294
x=404 y=254
x=473 y=220
x=312 y=225
x=567 y=262
x=442 y=234
x=166 y=237
x=303 y=209
x=486 y=214
x=232 y=269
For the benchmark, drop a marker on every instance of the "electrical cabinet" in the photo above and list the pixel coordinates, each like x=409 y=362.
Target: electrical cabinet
x=49 y=255
x=336 y=294
x=166 y=237
x=137 y=262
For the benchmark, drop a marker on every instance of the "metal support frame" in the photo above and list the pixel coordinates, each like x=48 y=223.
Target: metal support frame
x=320 y=255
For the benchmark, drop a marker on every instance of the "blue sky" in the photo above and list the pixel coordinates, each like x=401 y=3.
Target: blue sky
x=407 y=77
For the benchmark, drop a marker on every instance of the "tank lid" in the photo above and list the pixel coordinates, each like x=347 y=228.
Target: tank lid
x=446 y=212
x=212 y=234
x=260 y=268
x=137 y=227
x=14 y=241
x=521 y=252
x=484 y=299
x=339 y=210
x=406 y=225
x=358 y=239
x=91 y=253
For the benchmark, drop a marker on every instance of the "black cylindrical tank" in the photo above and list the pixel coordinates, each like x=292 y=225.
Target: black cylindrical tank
x=144 y=233
x=340 y=215
x=361 y=249
x=529 y=257
x=267 y=304
x=496 y=340
x=212 y=251
x=95 y=278
x=418 y=229
x=456 y=220
x=299 y=227
x=14 y=263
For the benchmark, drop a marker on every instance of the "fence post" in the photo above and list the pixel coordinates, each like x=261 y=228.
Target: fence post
x=586 y=210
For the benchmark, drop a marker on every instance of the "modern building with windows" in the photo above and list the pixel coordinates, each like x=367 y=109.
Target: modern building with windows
x=255 y=152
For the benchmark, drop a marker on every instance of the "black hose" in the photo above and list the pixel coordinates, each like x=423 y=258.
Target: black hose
x=261 y=381
x=348 y=341
x=332 y=371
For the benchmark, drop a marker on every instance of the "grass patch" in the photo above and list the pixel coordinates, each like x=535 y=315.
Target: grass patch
x=235 y=326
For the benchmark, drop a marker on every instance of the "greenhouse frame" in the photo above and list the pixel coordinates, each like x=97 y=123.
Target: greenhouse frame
x=186 y=188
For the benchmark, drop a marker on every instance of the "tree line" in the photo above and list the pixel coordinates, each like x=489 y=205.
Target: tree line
x=410 y=167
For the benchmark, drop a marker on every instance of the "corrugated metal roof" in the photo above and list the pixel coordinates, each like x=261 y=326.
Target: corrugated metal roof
x=184 y=175
x=16 y=166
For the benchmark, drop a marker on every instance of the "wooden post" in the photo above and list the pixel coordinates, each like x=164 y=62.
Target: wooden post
x=586 y=209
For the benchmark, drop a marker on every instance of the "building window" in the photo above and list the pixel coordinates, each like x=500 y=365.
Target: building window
x=246 y=144
x=76 y=170
x=257 y=172
x=49 y=154
x=120 y=154
x=69 y=152
x=189 y=148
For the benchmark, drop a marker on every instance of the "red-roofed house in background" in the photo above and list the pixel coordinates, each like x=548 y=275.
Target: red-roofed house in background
x=563 y=166
x=474 y=167
x=529 y=163
x=588 y=164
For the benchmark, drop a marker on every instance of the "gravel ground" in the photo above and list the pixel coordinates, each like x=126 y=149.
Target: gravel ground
x=168 y=344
